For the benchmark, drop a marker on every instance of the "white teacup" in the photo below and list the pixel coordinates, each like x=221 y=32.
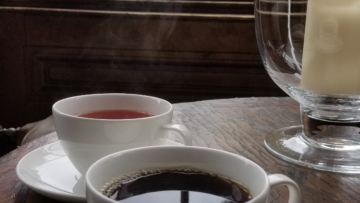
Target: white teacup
x=235 y=167
x=86 y=140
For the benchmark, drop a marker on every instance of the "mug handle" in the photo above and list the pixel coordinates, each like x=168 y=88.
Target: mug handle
x=294 y=191
x=182 y=130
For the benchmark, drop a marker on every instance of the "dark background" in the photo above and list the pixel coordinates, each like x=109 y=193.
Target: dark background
x=179 y=51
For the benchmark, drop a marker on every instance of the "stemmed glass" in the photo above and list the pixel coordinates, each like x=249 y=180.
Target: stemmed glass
x=311 y=50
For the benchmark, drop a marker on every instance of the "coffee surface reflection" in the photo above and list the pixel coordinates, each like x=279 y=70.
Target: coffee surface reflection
x=182 y=185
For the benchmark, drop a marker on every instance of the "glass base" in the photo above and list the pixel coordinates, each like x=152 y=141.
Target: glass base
x=289 y=145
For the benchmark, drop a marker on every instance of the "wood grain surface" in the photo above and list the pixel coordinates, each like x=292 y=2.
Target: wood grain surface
x=237 y=125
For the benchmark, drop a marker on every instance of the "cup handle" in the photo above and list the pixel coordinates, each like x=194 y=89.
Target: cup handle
x=294 y=191
x=182 y=130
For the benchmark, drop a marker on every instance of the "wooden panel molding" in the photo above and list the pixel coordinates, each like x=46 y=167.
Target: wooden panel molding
x=144 y=31
x=156 y=6
x=177 y=79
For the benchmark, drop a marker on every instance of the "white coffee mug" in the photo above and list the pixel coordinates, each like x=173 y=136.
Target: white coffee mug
x=235 y=167
x=86 y=140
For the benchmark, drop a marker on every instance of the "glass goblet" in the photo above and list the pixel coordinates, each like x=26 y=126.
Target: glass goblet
x=311 y=50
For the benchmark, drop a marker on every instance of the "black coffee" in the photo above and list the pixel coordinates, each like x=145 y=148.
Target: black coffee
x=180 y=185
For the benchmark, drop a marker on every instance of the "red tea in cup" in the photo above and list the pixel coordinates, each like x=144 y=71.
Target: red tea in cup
x=115 y=114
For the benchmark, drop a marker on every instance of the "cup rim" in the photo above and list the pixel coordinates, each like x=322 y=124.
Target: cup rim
x=109 y=94
x=88 y=184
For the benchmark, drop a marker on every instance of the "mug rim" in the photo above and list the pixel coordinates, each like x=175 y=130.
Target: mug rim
x=95 y=192
x=57 y=111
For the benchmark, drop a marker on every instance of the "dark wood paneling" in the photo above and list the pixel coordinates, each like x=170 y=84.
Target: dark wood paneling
x=12 y=72
x=51 y=54
x=167 y=6
x=144 y=32
x=177 y=79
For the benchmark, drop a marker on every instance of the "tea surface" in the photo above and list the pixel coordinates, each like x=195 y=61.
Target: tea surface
x=180 y=186
x=115 y=114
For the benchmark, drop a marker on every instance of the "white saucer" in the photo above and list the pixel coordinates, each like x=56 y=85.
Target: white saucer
x=48 y=171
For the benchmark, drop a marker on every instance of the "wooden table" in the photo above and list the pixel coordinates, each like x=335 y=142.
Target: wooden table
x=236 y=125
